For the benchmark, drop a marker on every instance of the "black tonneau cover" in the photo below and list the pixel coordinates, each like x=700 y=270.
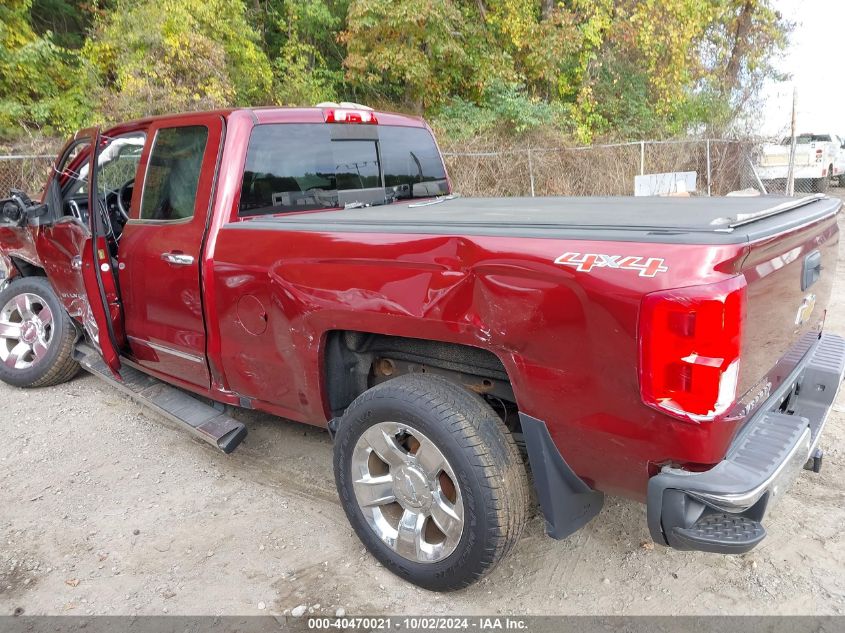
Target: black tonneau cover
x=658 y=219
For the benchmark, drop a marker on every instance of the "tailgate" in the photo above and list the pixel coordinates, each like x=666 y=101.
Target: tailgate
x=790 y=276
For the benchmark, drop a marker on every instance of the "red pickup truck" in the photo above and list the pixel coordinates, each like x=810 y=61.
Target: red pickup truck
x=313 y=263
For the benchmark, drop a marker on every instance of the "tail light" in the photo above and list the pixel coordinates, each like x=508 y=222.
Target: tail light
x=342 y=115
x=690 y=342
x=818 y=155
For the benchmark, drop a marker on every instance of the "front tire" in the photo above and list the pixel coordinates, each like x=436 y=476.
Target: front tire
x=431 y=480
x=36 y=335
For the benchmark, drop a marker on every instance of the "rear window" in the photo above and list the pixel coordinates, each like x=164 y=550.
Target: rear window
x=301 y=167
x=805 y=139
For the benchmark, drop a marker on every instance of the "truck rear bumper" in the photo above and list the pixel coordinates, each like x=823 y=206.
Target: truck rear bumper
x=721 y=510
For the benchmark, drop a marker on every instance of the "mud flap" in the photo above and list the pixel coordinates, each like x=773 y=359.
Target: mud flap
x=568 y=504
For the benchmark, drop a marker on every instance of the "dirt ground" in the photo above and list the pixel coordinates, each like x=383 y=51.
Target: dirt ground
x=104 y=509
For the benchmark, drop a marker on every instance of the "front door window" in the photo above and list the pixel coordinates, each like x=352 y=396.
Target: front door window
x=173 y=172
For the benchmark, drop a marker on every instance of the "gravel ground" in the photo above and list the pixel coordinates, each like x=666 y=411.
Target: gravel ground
x=104 y=509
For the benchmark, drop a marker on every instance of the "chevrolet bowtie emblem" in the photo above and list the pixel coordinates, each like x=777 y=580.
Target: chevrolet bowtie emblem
x=805 y=309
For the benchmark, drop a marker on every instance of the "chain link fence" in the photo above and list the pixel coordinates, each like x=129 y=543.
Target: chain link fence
x=26 y=172
x=813 y=166
x=720 y=167
x=598 y=170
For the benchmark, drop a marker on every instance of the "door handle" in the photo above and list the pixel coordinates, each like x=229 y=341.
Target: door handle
x=812 y=269
x=177 y=259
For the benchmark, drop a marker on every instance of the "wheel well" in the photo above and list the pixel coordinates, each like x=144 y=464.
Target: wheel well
x=25 y=269
x=356 y=361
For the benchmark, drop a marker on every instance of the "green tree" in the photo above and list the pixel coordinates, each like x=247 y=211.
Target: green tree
x=414 y=53
x=539 y=39
x=157 y=56
x=667 y=67
x=68 y=20
x=41 y=86
x=746 y=38
x=585 y=68
x=307 y=58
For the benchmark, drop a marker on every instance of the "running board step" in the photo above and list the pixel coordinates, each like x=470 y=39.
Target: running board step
x=186 y=411
x=723 y=533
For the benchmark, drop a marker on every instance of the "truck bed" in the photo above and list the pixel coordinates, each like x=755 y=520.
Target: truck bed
x=683 y=220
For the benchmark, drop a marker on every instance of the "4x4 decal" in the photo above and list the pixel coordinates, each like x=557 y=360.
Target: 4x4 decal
x=585 y=262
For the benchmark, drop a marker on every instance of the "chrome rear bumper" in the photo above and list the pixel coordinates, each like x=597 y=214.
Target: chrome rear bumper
x=721 y=510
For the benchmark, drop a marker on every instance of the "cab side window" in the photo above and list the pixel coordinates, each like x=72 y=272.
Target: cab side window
x=173 y=171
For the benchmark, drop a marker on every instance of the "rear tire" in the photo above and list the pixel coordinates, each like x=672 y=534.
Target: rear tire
x=388 y=436
x=37 y=336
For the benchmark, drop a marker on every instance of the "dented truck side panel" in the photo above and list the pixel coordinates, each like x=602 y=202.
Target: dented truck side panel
x=567 y=339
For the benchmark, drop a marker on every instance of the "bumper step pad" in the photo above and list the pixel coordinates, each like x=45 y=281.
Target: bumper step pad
x=720 y=509
x=178 y=406
x=722 y=533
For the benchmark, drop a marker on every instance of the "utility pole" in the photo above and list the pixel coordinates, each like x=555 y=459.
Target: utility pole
x=790 y=176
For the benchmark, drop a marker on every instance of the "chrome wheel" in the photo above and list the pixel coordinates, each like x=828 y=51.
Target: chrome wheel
x=26 y=331
x=407 y=492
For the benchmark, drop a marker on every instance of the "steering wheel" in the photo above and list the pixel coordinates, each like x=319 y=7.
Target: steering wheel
x=124 y=212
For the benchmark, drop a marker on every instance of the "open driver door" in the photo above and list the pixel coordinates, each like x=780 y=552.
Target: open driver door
x=76 y=235
x=71 y=231
x=104 y=321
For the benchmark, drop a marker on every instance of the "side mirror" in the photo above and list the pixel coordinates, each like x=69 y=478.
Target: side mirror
x=13 y=210
x=35 y=213
x=18 y=209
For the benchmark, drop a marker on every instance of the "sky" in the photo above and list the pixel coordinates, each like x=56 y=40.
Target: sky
x=815 y=59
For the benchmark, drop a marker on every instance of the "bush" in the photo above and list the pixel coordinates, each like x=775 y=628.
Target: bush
x=41 y=84
x=161 y=56
x=505 y=108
